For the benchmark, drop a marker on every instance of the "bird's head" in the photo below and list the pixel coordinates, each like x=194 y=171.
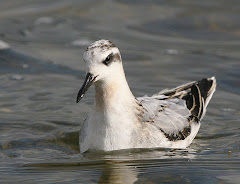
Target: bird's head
x=103 y=61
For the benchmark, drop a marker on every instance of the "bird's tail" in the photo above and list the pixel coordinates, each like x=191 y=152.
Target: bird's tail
x=205 y=89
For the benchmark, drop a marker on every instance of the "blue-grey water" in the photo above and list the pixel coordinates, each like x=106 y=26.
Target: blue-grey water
x=163 y=44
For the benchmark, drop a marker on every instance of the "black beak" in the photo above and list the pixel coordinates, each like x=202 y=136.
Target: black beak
x=87 y=83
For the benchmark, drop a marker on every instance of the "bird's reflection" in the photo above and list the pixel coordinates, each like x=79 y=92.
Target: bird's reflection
x=124 y=166
x=118 y=173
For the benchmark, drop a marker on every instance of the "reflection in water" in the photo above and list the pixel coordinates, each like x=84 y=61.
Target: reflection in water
x=118 y=173
x=124 y=166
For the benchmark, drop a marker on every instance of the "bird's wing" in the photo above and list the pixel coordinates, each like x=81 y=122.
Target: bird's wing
x=171 y=116
x=173 y=111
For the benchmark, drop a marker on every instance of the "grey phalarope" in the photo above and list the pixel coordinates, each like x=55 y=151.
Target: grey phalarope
x=118 y=120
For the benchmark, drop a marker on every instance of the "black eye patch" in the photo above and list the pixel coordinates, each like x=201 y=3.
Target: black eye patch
x=110 y=58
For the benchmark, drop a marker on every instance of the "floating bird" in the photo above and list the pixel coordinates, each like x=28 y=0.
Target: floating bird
x=119 y=120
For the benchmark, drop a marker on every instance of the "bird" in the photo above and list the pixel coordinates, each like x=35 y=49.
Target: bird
x=118 y=120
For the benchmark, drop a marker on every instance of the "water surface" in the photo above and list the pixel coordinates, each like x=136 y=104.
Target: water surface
x=163 y=44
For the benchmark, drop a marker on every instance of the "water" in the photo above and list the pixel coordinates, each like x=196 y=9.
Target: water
x=163 y=44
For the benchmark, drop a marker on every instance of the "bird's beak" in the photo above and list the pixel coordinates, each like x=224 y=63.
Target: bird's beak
x=87 y=83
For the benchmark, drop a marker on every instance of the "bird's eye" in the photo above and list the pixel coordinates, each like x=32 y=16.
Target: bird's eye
x=107 y=58
x=107 y=61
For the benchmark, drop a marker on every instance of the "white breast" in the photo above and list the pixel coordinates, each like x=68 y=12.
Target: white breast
x=103 y=132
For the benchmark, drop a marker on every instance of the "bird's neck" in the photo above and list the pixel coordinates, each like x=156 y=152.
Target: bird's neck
x=113 y=93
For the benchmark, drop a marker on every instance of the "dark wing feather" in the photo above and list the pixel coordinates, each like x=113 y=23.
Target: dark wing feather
x=196 y=94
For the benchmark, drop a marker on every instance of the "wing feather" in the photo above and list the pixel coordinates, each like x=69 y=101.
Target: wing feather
x=173 y=111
